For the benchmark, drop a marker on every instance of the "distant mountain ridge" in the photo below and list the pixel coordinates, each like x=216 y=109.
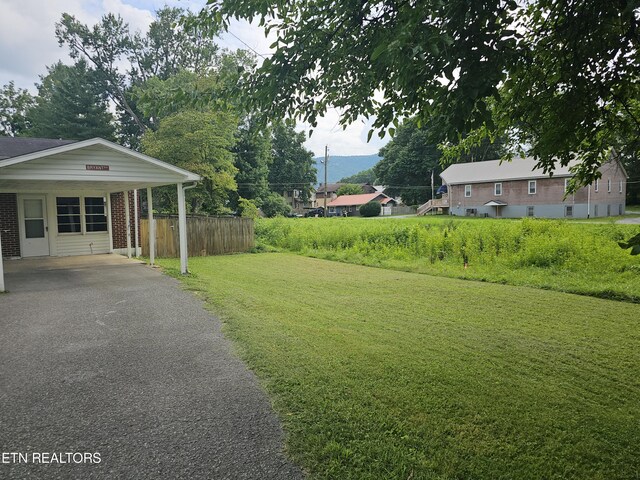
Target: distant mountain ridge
x=342 y=166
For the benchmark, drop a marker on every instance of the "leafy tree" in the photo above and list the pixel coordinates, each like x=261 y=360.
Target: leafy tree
x=632 y=165
x=171 y=46
x=275 y=205
x=407 y=163
x=293 y=166
x=349 y=189
x=70 y=104
x=14 y=104
x=556 y=77
x=106 y=46
x=371 y=209
x=168 y=48
x=200 y=142
x=365 y=176
x=253 y=157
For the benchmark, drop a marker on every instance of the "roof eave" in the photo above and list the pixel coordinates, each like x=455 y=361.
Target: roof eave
x=189 y=176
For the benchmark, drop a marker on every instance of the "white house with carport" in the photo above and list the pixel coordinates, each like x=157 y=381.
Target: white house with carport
x=58 y=198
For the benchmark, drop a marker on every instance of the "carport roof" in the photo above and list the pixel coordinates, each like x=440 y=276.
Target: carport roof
x=47 y=165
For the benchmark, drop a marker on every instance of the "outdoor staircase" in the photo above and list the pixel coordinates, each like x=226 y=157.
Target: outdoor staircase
x=433 y=205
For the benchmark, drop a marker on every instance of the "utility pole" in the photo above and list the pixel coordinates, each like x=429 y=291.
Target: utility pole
x=326 y=160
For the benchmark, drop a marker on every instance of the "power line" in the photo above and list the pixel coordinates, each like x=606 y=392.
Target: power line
x=246 y=44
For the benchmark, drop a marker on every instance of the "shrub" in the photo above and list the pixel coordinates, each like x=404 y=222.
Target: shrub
x=247 y=208
x=371 y=209
x=275 y=205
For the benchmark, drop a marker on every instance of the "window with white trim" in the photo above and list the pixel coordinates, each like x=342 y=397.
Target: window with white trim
x=467 y=190
x=608 y=185
x=566 y=185
x=621 y=186
x=497 y=189
x=532 y=187
x=68 y=212
x=95 y=215
x=597 y=186
x=72 y=221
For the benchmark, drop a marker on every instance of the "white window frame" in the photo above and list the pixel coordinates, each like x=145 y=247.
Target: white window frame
x=621 y=187
x=83 y=216
x=535 y=187
x=495 y=189
x=467 y=191
x=566 y=185
x=608 y=185
x=597 y=185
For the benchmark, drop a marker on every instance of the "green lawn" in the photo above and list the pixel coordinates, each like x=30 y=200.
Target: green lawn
x=381 y=374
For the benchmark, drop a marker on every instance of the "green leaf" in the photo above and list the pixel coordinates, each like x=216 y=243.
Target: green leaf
x=380 y=49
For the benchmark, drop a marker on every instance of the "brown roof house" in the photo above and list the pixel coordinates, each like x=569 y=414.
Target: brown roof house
x=518 y=189
x=330 y=191
x=349 y=205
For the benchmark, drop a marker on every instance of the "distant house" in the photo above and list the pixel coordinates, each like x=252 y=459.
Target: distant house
x=519 y=189
x=330 y=191
x=348 y=205
x=294 y=199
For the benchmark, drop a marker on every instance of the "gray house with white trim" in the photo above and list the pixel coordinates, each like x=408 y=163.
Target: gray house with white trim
x=518 y=189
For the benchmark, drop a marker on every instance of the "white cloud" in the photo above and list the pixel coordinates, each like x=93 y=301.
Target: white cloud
x=27 y=38
x=349 y=141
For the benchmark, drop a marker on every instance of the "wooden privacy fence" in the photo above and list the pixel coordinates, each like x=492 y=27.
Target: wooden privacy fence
x=205 y=236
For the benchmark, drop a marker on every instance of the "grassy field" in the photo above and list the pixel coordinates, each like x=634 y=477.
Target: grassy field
x=549 y=254
x=382 y=374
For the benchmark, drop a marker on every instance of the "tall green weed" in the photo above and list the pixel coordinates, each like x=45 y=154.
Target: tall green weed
x=579 y=258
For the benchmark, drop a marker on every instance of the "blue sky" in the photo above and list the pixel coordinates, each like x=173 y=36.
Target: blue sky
x=28 y=43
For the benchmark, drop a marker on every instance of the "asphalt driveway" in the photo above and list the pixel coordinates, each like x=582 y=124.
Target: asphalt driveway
x=102 y=355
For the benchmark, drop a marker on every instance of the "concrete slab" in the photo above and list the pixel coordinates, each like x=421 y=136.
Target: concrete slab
x=103 y=355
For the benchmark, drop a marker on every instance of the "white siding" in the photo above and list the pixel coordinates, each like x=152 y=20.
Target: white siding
x=88 y=244
x=72 y=166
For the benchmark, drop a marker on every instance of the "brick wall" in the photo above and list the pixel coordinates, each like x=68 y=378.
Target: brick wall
x=118 y=221
x=9 y=225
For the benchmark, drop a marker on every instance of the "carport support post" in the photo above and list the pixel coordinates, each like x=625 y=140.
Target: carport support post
x=127 y=222
x=152 y=228
x=1 y=267
x=135 y=221
x=182 y=229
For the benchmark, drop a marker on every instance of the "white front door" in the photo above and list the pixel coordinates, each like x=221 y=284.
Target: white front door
x=34 y=235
